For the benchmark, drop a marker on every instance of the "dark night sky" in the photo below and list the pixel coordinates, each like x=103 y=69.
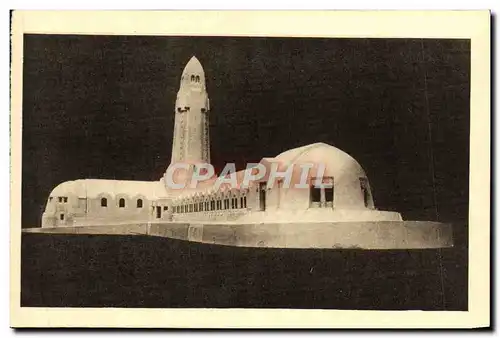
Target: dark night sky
x=102 y=107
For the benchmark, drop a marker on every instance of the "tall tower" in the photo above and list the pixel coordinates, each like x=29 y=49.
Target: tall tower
x=191 y=143
x=191 y=139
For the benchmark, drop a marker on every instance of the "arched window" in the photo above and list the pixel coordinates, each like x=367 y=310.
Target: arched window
x=192 y=78
x=121 y=203
x=197 y=78
x=104 y=202
x=139 y=203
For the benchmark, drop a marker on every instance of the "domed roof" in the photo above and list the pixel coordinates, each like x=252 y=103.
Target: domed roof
x=336 y=161
x=92 y=188
x=69 y=188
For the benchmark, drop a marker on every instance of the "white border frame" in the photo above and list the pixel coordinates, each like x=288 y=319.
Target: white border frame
x=474 y=25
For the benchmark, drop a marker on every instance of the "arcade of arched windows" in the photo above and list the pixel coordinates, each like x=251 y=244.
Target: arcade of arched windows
x=214 y=202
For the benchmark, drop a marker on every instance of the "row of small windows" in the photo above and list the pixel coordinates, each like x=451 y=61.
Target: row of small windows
x=60 y=199
x=194 y=78
x=121 y=203
x=226 y=204
x=186 y=109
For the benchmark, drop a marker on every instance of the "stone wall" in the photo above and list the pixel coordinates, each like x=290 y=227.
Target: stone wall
x=325 y=235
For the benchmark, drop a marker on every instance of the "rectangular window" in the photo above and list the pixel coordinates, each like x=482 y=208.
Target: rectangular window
x=315 y=194
x=65 y=199
x=329 y=194
x=60 y=199
x=61 y=217
x=165 y=208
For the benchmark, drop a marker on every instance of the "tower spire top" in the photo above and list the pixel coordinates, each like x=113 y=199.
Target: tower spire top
x=193 y=66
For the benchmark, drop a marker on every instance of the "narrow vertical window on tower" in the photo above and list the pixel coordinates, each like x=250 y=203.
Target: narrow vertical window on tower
x=121 y=203
x=139 y=203
x=104 y=202
x=192 y=78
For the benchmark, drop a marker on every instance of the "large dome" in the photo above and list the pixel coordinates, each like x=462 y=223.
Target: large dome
x=350 y=184
x=337 y=162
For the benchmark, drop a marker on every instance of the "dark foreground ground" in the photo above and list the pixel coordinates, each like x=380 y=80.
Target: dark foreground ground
x=140 y=271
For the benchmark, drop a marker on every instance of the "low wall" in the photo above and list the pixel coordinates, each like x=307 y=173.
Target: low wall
x=108 y=229
x=341 y=235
